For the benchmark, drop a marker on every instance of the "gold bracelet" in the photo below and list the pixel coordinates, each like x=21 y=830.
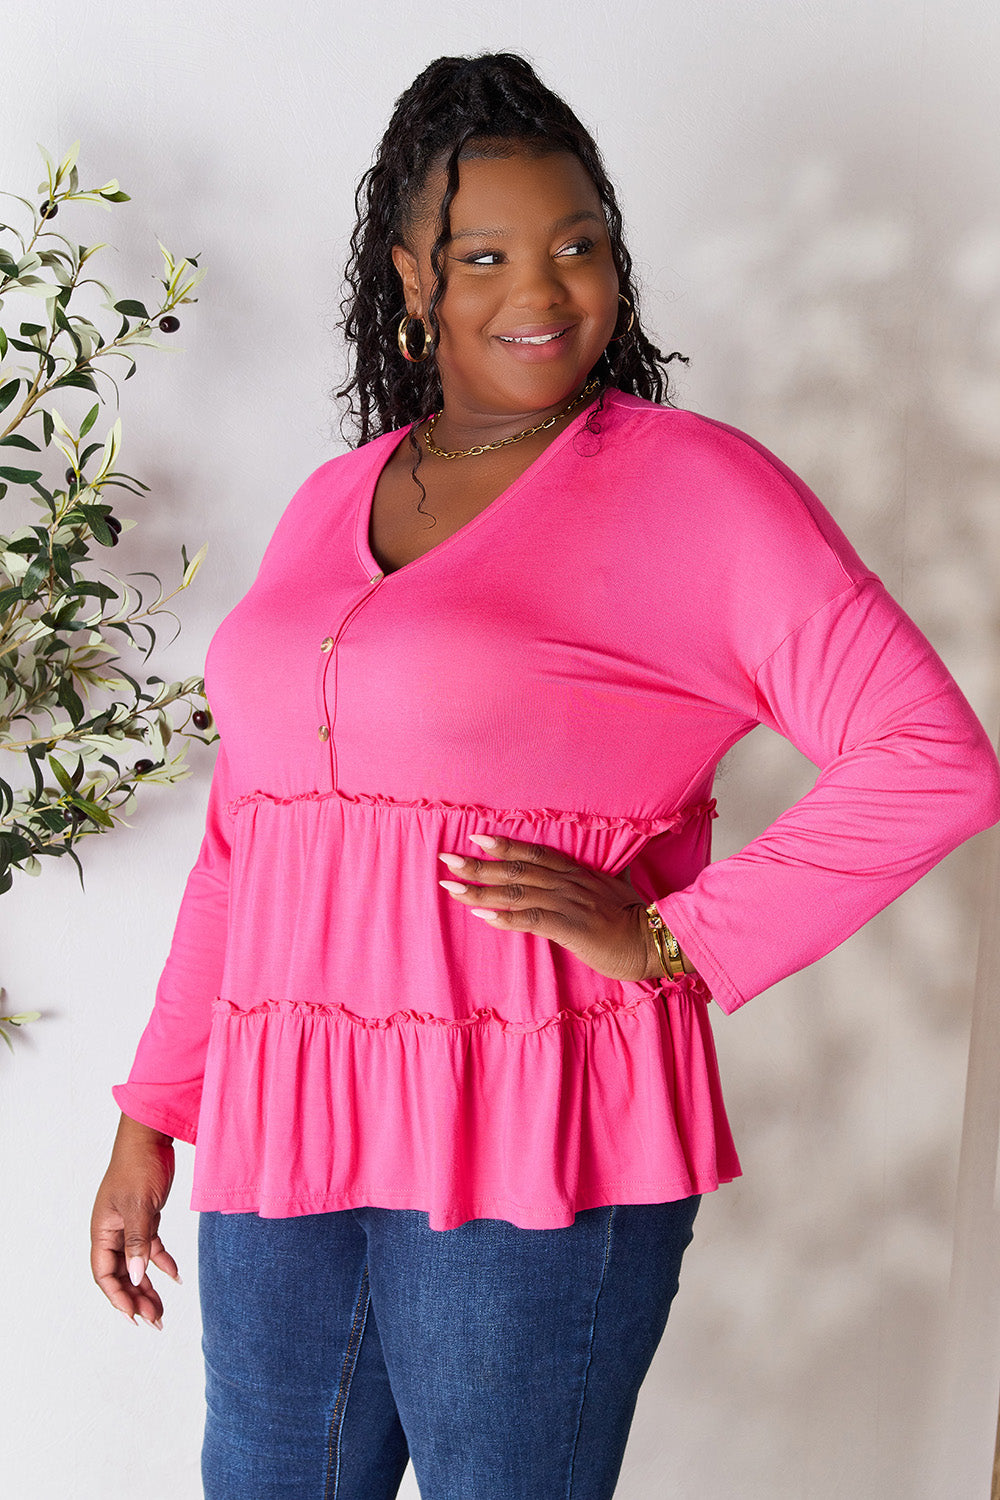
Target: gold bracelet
x=667 y=946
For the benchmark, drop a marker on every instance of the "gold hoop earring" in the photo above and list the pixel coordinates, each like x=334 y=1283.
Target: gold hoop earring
x=402 y=339
x=618 y=337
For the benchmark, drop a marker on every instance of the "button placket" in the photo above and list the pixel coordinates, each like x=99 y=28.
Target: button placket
x=326 y=646
x=328 y=671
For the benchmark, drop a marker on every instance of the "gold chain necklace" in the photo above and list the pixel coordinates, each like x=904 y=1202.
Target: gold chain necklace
x=432 y=447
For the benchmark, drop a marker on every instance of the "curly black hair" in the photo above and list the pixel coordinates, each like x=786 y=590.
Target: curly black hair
x=491 y=104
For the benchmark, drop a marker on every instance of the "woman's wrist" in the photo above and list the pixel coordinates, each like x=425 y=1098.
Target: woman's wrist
x=665 y=957
x=131 y=1131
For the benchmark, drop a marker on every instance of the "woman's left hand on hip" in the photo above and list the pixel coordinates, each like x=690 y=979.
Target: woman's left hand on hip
x=532 y=888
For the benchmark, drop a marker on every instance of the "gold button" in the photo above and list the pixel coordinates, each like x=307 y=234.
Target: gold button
x=323 y=732
x=326 y=645
x=376 y=578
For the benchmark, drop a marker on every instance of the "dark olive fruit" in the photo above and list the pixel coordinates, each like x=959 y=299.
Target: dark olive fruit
x=48 y=210
x=70 y=476
x=200 y=719
x=114 y=523
x=169 y=324
x=142 y=767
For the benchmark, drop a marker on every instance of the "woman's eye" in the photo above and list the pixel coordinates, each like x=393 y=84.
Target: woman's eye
x=495 y=257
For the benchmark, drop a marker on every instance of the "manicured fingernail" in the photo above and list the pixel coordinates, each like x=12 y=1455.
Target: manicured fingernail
x=178 y=1280
x=484 y=840
x=453 y=861
x=487 y=916
x=136 y=1270
x=158 y=1323
x=454 y=887
x=130 y=1316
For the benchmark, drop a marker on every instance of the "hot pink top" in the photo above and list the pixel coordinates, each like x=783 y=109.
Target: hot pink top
x=568 y=668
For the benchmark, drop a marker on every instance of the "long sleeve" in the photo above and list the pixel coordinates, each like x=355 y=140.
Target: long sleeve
x=164 y=1086
x=906 y=774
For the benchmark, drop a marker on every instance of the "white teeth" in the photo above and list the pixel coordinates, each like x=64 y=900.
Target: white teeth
x=542 y=338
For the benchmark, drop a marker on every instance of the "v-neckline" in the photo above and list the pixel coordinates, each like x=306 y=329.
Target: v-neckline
x=366 y=499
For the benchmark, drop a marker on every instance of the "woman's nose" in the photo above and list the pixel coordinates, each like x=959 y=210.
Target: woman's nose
x=537 y=285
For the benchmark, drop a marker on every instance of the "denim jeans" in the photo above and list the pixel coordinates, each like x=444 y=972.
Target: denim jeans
x=506 y=1362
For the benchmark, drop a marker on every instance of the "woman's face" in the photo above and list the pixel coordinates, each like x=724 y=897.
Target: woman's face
x=531 y=294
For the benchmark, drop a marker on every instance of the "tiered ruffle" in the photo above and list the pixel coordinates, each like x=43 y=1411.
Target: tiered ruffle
x=374 y=1044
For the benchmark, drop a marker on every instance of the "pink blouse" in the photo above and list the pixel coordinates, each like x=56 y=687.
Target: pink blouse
x=568 y=668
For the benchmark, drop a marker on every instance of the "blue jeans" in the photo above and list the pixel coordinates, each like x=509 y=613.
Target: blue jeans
x=506 y=1362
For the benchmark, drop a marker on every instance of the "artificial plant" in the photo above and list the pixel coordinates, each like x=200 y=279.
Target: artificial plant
x=81 y=725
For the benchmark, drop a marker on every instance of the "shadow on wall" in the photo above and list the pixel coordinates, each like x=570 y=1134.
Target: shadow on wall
x=871 y=352
x=862 y=348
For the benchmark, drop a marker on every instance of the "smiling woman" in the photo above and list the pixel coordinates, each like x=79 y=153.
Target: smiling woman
x=437 y=1004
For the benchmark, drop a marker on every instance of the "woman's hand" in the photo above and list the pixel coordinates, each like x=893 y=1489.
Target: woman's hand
x=126 y=1217
x=532 y=888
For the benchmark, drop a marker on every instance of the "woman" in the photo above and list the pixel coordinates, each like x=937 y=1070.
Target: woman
x=436 y=1005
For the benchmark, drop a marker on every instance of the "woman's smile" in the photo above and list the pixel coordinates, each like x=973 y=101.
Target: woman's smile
x=534 y=335
x=535 y=345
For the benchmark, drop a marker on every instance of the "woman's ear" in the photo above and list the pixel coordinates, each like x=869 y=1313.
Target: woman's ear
x=406 y=264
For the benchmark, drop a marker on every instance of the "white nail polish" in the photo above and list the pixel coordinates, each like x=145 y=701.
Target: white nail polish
x=484 y=840
x=136 y=1270
x=453 y=861
x=454 y=886
x=487 y=916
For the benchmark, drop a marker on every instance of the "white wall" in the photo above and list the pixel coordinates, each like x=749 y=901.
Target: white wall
x=814 y=206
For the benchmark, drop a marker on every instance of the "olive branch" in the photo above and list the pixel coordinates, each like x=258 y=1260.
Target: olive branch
x=73 y=708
